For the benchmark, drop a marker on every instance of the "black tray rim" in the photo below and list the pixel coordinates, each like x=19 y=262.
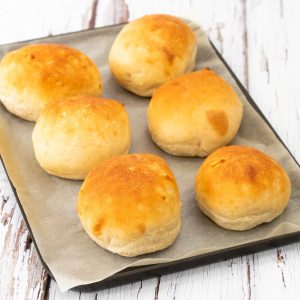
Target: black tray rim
x=133 y=274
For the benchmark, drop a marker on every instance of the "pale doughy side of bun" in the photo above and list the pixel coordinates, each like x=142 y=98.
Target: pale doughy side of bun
x=242 y=223
x=35 y=75
x=194 y=114
x=73 y=135
x=239 y=187
x=150 y=51
x=130 y=205
x=149 y=243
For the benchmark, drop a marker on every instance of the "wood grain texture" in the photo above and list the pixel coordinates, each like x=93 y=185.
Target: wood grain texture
x=22 y=275
x=273 y=59
x=259 y=41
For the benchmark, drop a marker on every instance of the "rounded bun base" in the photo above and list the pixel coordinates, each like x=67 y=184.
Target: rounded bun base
x=242 y=223
x=192 y=149
x=146 y=89
x=79 y=174
x=21 y=109
x=149 y=243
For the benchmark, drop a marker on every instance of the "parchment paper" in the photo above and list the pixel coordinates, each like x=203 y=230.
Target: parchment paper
x=50 y=202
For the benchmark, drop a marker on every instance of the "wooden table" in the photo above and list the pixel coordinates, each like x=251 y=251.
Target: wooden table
x=260 y=41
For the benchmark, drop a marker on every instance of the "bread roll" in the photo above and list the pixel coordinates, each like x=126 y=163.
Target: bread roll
x=150 y=51
x=194 y=114
x=73 y=135
x=239 y=187
x=130 y=205
x=34 y=75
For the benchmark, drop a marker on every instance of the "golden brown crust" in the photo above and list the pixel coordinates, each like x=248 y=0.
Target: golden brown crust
x=36 y=75
x=151 y=50
x=218 y=121
x=128 y=202
x=73 y=135
x=240 y=187
x=194 y=114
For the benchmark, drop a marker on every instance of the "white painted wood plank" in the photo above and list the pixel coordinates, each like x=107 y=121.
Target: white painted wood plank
x=143 y=290
x=273 y=59
x=23 y=20
x=22 y=275
x=111 y=12
x=272 y=273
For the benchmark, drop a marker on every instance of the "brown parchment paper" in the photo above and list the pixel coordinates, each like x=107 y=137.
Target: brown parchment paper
x=50 y=202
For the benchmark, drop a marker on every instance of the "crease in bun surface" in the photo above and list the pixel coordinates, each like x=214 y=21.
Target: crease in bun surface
x=239 y=187
x=35 y=75
x=194 y=114
x=73 y=135
x=130 y=204
x=150 y=51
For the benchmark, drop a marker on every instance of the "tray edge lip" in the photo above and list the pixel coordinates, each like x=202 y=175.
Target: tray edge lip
x=196 y=258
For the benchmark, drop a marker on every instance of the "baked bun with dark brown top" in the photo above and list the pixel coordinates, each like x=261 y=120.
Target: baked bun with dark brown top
x=35 y=75
x=239 y=187
x=150 y=51
x=130 y=204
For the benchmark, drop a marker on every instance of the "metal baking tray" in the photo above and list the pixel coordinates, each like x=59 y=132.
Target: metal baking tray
x=143 y=272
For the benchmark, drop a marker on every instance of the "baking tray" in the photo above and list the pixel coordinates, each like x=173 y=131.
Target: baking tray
x=138 y=273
